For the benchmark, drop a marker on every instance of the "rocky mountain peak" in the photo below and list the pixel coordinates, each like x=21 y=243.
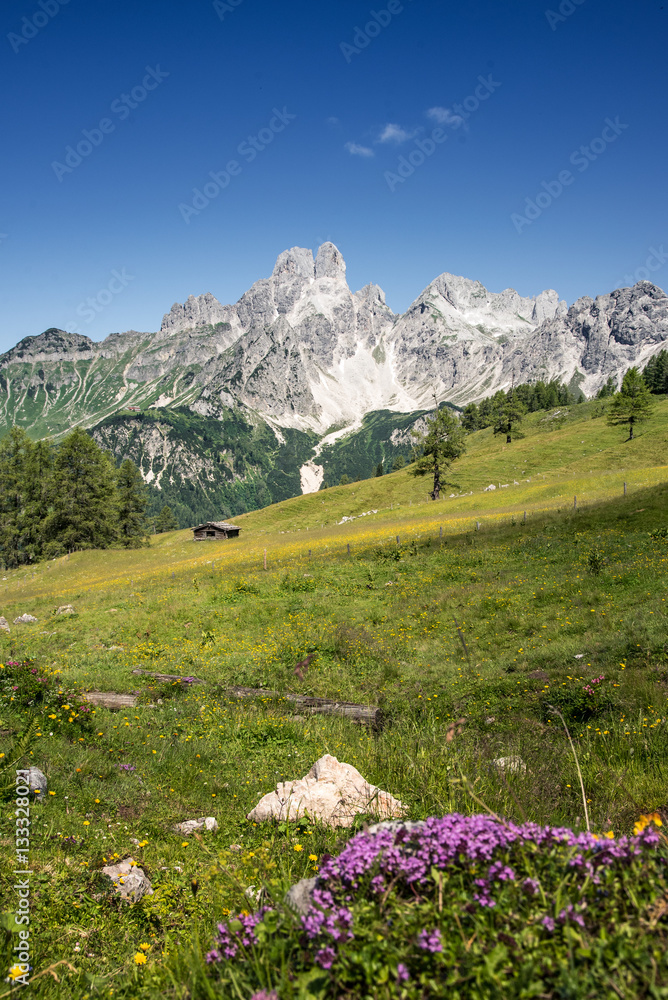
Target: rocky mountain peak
x=296 y=262
x=329 y=262
x=195 y=312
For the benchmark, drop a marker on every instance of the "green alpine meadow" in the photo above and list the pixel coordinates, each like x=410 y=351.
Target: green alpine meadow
x=507 y=645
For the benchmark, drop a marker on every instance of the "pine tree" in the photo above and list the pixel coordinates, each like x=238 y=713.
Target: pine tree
x=379 y=470
x=470 y=417
x=344 y=480
x=398 y=463
x=632 y=404
x=15 y=535
x=165 y=521
x=507 y=413
x=438 y=448
x=132 y=501
x=609 y=389
x=83 y=497
x=655 y=373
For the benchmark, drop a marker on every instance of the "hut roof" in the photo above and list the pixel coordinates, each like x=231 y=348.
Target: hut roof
x=221 y=525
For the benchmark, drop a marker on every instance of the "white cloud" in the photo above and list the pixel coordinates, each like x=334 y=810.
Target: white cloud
x=356 y=150
x=395 y=133
x=444 y=116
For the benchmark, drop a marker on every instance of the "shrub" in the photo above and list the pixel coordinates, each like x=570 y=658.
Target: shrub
x=463 y=907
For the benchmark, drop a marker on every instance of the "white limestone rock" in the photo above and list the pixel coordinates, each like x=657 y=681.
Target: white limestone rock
x=332 y=793
x=130 y=882
x=190 y=825
x=513 y=764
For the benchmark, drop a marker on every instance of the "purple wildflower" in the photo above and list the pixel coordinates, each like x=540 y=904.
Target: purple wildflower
x=430 y=940
x=548 y=923
x=325 y=957
x=402 y=973
x=265 y=995
x=531 y=885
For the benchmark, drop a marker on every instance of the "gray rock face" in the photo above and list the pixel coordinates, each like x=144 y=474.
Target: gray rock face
x=296 y=262
x=4 y=624
x=130 y=882
x=189 y=826
x=204 y=310
x=329 y=262
x=24 y=620
x=302 y=351
x=37 y=783
x=299 y=896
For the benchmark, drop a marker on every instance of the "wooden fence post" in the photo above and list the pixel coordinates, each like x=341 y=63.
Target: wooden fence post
x=265 y=558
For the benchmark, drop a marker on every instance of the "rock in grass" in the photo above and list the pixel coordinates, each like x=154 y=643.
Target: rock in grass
x=4 y=624
x=300 y=895
x=37 y=782
x=512 y=764
x=65 y=609
x=130 y=882
x=24 y=620
x=190 y=825
x=332 y=793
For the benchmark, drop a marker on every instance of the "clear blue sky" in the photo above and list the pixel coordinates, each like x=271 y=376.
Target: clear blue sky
x=324 y=173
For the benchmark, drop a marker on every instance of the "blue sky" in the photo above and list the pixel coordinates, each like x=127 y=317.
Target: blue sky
x=316 y=107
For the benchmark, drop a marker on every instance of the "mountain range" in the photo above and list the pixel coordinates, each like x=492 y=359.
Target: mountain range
x=228 y=407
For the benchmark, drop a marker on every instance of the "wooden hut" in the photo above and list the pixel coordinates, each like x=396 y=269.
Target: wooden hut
x=215 y=529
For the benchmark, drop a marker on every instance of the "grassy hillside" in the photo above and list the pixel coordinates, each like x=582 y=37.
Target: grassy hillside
x=466 y=639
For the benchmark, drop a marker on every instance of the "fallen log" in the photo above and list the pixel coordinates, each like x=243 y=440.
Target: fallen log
x=169 y=677
x=110 y=699
x=366 y=715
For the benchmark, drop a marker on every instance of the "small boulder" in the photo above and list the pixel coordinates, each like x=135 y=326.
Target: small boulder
x=332 y=793
x=37 y=783
x=130 y=882
x=65 y=609
x=190 y=825
x=4 y=624
x=24 y=620
x=513 y=764
x=300 y=895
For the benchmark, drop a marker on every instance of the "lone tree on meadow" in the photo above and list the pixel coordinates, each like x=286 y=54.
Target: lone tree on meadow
x=632 y=404
x=438 y=448
x=507 y=413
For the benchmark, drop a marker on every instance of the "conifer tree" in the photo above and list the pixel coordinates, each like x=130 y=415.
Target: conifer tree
x=609 y=389
x=398 y=463
x=632 y=404
x=83 y=498
x=438 y=448
x=655 y=373
x=379 y=470
x=165 y=521
x=132 y=501
x=15 y=535
x=507 y=413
